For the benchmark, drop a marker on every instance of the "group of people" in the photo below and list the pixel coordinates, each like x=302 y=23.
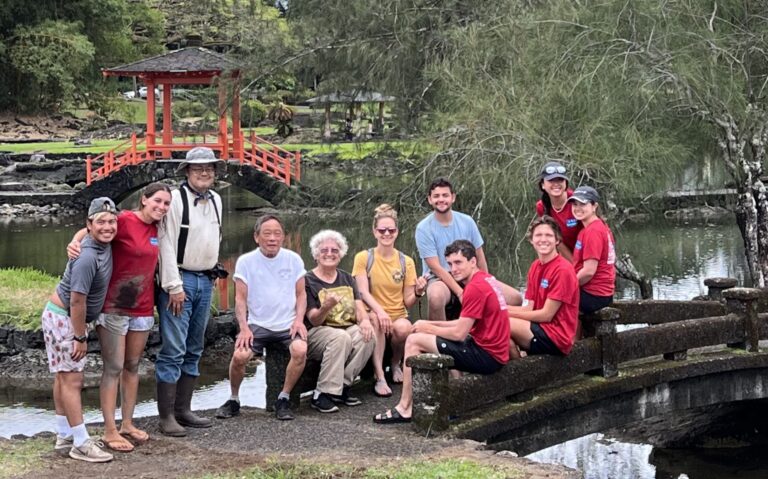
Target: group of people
x=164 y=254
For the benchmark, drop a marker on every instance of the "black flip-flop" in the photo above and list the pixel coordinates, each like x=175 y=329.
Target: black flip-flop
x=393 y=418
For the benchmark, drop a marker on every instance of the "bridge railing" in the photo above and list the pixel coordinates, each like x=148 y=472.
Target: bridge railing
x=272 y=159
x=737 y=323
x=127 y=153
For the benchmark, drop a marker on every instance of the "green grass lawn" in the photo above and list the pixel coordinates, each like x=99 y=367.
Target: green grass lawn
x=431 y=469
x=23 y=294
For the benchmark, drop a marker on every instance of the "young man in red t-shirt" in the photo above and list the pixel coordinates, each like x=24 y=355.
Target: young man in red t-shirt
x=477 y=341
x=548 y=323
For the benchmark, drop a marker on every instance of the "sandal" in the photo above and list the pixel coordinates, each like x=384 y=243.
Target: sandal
x=137 y=436
x=381 y=389
x=120 y=445
x=391 y=416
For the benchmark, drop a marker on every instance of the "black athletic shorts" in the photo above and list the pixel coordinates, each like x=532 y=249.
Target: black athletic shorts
x=589 y=303
x=453 y=308
x=468 y=356
x=541 y=344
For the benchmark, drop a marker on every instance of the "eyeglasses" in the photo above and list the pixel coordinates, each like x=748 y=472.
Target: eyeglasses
x=202 y=169
x=329 y=251
x=386 y=231
x=551 y=170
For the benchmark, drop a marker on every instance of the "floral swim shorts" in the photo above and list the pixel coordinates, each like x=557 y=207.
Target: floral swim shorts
x=59 y=340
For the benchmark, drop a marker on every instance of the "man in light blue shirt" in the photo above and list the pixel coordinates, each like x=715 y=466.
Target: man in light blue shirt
x=439 y=229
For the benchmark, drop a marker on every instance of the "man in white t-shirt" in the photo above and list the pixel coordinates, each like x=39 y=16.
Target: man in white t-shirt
x=270 y=302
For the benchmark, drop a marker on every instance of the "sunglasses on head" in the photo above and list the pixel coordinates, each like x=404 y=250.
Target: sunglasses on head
x=551 y=170
x=329 y=251
x=385 y=231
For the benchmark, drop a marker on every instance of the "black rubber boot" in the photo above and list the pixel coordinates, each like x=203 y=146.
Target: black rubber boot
x=182 y=408
x=166 y=396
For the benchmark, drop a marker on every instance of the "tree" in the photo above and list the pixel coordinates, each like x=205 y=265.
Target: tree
x=61 y=46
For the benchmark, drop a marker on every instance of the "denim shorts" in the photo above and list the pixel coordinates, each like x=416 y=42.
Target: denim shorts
x=120 y=325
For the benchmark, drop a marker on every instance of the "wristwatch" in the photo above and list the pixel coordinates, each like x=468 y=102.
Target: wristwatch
x=81 y=339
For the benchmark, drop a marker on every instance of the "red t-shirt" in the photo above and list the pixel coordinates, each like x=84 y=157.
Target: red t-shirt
x=134 y=257
x=596 y=242
x=484 y=302
x=556 y=280
x=569 y=226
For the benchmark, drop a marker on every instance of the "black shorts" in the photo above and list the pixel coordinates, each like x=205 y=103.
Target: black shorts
x=453 y=308
x=468 y=356
x=541 y=344
x=263 y=336
x=589 y=303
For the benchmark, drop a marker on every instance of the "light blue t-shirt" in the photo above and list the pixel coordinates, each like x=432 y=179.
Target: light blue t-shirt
x=432 y=237
x=271 y=287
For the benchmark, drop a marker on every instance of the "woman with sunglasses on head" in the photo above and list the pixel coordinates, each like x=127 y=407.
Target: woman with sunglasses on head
x=387 y=281
x=127 y=316
x=594 y=256
x=553 y=184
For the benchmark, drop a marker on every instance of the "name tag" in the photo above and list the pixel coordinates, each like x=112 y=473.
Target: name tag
x=545 y=283
x=578 y=245
x=571 y=222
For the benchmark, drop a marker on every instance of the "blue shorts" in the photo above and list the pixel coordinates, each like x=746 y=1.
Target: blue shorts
x=468 y=356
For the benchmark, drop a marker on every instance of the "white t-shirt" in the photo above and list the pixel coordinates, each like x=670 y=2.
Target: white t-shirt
x=271 y=287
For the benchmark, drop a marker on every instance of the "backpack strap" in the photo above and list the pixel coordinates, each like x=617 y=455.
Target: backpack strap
x=184 y=226
x=369 y=266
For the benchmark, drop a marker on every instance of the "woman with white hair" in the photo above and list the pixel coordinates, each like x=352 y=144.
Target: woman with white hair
x=340 y=334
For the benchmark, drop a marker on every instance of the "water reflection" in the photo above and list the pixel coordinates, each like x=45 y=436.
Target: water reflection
x=600 y=457
x=30 y=412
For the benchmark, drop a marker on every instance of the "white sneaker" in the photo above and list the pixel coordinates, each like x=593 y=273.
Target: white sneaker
x=90 y=451
x=63 y=445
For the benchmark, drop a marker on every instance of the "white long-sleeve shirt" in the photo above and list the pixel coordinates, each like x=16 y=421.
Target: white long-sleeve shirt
x=202 y=250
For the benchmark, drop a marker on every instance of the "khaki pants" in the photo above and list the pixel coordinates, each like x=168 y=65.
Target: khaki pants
x=342 y=353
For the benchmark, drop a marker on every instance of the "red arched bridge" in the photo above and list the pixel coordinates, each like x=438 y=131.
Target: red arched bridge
x=688 y=354
x=256 y=152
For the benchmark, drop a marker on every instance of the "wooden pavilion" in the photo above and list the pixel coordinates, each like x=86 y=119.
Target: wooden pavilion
x=354 y=100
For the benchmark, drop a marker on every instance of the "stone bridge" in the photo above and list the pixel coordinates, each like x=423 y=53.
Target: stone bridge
x=31 y=182
x=687 y=355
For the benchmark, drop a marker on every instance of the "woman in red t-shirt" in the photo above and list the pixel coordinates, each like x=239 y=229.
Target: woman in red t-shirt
x=127 y=316
x=548 y=323
x=553 y=183
x=594 y=256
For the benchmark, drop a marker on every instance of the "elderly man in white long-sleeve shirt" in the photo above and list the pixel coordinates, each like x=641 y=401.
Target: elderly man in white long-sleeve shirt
x=189 y=251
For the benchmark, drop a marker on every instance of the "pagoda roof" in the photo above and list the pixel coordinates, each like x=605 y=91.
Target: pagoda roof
x=191 y=60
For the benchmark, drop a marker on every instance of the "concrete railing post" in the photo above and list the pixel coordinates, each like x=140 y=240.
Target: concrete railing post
x=743 y=302
x=430 y=390
x=716 y=286
x=605 y=331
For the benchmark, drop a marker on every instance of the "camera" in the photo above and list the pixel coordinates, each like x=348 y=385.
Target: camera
x=217 y=272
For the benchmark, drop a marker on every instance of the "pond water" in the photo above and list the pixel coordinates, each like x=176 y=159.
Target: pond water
x=678 y=256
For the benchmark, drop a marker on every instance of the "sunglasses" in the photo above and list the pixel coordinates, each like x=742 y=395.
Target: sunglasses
x=202 y=169
x=329 y=251
x=386 y=231
x=551 y=170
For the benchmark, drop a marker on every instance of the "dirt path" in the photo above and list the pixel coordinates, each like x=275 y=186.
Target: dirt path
x=255 y=437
